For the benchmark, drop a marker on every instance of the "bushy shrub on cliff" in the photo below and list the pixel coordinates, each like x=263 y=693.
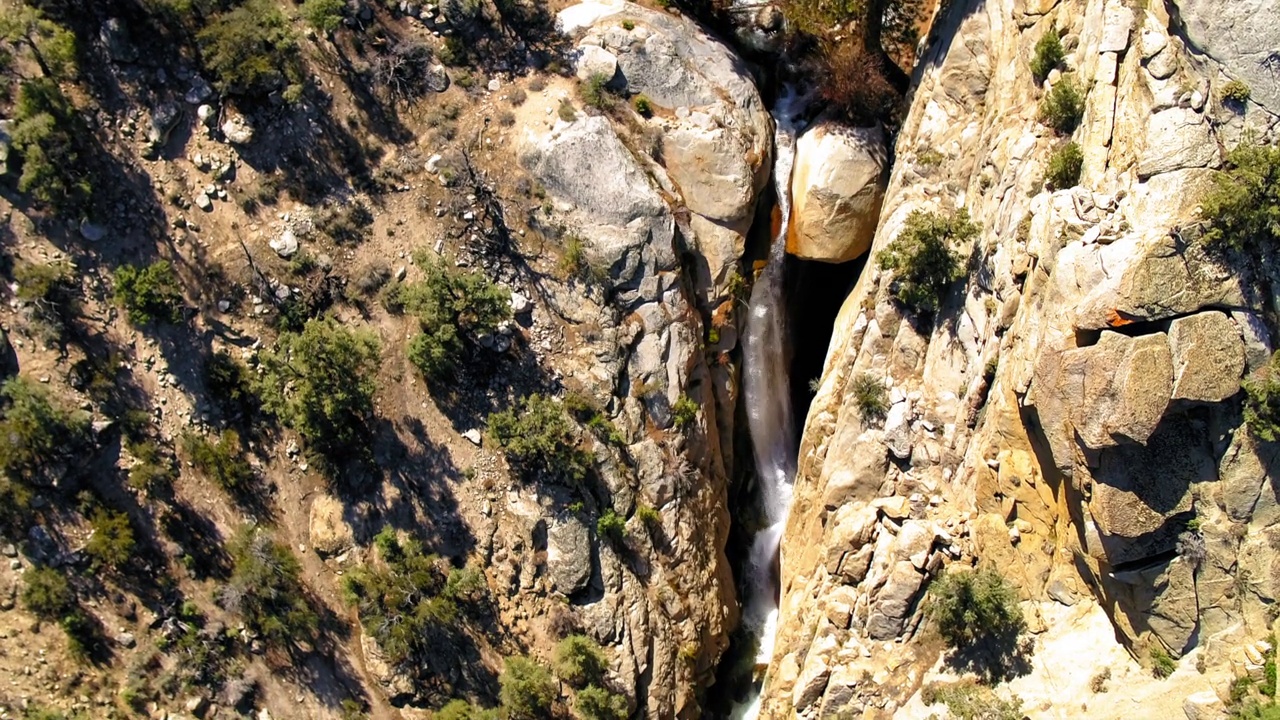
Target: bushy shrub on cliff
x=1242 y=208
x=1048 y=55
x=454 y=309
x=46 y=137
x=409 y=601
x=1262 y=401
x=871 y=397
x=1063 y=106
x=921 y=257
x=1064 y=167
x=149 y=294
x=596 y=703
x=251 y=50
x=527 y=689
x=321 y=382
x=37 y=438
x=266 y=590
x=972 y=607
x=579 y=661
x=968 y=700
x=539 y=439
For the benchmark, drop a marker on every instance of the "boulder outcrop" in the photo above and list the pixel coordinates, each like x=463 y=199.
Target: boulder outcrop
x=837 y=185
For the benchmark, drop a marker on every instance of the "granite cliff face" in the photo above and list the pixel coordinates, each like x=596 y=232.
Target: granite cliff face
x=1075 y=403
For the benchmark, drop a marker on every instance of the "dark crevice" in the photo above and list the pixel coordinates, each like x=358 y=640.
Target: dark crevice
x=815 y=293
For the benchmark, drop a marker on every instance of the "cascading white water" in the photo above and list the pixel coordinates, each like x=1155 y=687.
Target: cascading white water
x=767 y=392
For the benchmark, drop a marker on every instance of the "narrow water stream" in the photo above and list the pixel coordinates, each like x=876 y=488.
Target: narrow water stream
x=770 y=415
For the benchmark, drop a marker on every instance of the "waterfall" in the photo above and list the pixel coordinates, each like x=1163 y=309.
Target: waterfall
x=767 y=392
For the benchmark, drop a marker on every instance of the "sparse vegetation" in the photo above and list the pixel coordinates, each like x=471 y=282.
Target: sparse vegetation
x=612 y=527
x=153 y=471
x=968 y=700
x=922 y=257
x=1064 y=167
x=642 y=105
x=1241 y=210
x=871 y=397
x=46 y=593
x=1063 y=106
x=149 y=294
x=323 y=15
x=51 y=295
x=539 y=439
x=567 y=111
x=321 y=382
x=1048 y=55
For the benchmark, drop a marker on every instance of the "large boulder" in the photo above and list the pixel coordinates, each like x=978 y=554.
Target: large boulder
x=569 y=556
x=715 y=134
x=837 y=186
x=329 y=531
x=1208 y=357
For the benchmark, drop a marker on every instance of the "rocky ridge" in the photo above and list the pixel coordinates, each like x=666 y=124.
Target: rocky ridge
x=1071 y=410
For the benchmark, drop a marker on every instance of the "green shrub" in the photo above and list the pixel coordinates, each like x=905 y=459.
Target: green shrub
x=649 y=516
x=967 y=700
x=1236 y=91
x=409 y=602
x=526 y=689
x=538 y=438
x=46 y=136
x=567 y=111
x=1262 y=401
x=323 y=15
x=321 y=382
x=922 y=259
x=35 y=435
x=642 y=105
x=454 y=309
x=579 y=661
x=46 y=593
x=52 y=46
x=463 y=710
x=972 y=607
x=1162 y=664
x=612 y=527
x=1064 y=167
x=222 y=462
x=1048 y=55
x=1242 y=209
x=149 y=294
x=229 y=385
x=153 y=471
x=51 y=293
x=251 y=49
x=265 y=589
x=595 y=92
x=345 y=223
x=871 y=397
x=1063 y=107
x=685 y=411
x=112 y=543
x=596 y=703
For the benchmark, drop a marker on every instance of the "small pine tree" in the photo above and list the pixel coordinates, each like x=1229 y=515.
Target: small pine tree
x=112 y=543
x=1064 y=167
x=539 y=439
x=922 y=259
x=1048 y=55
x=1063 y=106
x=579 y=661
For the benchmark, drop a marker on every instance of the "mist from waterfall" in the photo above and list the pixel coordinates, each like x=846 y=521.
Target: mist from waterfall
x=767 y=393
